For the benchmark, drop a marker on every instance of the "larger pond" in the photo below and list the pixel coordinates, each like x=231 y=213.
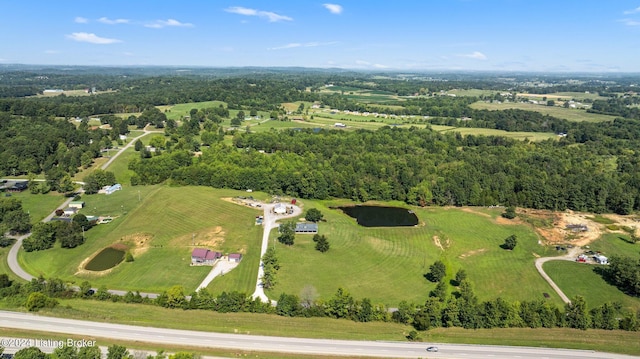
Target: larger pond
x=376 y=216
x=107 y=258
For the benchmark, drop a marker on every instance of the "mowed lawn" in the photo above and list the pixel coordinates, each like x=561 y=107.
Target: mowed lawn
x=39 y=205
x=161 y=225
x=387 y=265
x=581 y=279
x=569 y=114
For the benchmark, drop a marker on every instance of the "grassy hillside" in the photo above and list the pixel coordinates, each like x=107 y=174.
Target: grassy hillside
x=387 y=264
x=581 y=279
x=161 y=230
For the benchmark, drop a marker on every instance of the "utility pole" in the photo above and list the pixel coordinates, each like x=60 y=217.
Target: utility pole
x=193 y=239
x=138 y=195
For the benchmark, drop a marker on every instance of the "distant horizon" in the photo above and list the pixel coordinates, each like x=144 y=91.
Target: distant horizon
x=357 y=70
x=574 y=36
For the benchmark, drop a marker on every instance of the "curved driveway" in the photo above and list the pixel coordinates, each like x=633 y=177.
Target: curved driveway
x=571 y=254
x=269 y=223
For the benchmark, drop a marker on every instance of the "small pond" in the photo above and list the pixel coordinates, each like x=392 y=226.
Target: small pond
x=376 y=216
x=107 y=258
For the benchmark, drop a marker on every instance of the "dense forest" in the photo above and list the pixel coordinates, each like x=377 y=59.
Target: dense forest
x=418 y=166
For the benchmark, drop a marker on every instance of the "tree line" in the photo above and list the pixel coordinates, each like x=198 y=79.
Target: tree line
x=443 y=308
x=418 y=166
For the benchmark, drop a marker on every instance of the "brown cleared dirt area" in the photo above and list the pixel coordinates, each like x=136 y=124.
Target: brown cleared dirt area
x=209 y=237
x=554 y=227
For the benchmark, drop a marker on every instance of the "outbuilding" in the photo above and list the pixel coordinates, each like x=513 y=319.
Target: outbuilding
x=279 y=208
x=307 y=228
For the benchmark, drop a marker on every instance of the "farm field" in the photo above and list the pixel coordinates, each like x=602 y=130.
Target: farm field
x=387 y=265
x=176 y=112
x=362 y=95
x=581 y=279
x=555 y=111
x=532 y=136
x=160 y=230
x=565 y=96
x=472 y=92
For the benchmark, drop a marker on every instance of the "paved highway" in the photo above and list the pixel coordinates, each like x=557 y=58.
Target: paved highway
x=94 y=331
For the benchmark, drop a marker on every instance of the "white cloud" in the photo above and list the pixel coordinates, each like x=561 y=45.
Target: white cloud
x=271 y=16
x=158 y=24
x=108 y=21
x=630 y=22
x=476 y=55
x=81 y=20
x=287 y=46
x=91 y=38
x=333 y=8
x=297 y=44
x=634 y=11
x=51 y=52
x=380 y=66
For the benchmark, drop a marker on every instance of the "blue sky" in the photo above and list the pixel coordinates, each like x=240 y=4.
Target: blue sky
x=405 y=35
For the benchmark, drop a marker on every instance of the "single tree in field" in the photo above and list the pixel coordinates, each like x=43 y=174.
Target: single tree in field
x=287 y=233
x=313 y=215
x=437 y=271
x=510 y=242
x=322 y=244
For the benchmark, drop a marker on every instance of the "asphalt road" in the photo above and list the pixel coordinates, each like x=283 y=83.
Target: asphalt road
x=94 y=331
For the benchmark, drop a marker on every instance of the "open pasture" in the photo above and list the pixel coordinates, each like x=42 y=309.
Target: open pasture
x=569 y=114
x=160 y=225
x=531 y=136
x=581 y=279
x=387 y=264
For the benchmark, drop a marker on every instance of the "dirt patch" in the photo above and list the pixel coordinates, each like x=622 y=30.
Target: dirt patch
x=436 y=240
x=211 y=237
x=471 y=253
x=120 y=246
x=555 y=230
x=505 y=221
x=138 y=243
x=471 y=210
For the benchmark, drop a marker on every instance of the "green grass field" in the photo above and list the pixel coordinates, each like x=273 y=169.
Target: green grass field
x=177 y=112
x=568 y=114
x=531 y=136
x=581 y=279
x=164 y=220
x=39 y=205
x=387 y=264
x=616 y=244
